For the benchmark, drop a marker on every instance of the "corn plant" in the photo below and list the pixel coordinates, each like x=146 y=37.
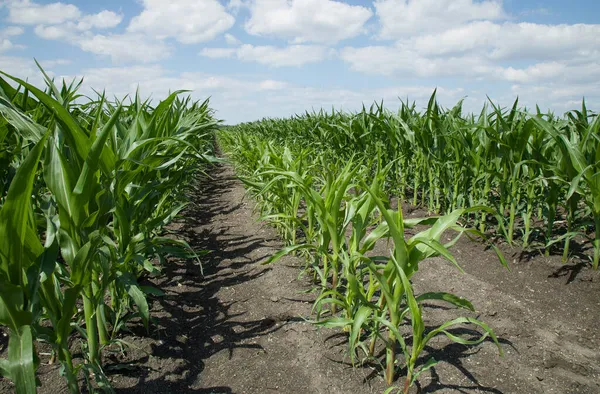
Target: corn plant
x=358 y=292
x=97 y=183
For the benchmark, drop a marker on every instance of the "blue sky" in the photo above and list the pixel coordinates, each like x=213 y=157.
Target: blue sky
x=266 y=58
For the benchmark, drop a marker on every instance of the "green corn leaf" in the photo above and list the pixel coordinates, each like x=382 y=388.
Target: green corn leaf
x=84 y=187
x=73 y=131
x=415 y=309
x=334 y=322
x=12 y=306
x=67 y=311
x=28 y=129
x=434 y=247
x=428 y=365
x=21 y=360
x=60 y=179
x=447 y=297
x=80 y=273
x=464 y=320
x=286 y=251
x=14 y=219
x=137 y=295
x=360 y=318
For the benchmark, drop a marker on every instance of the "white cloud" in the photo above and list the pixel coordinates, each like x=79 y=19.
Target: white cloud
x=516 y=52
x=124 y=47
x=270 y=84
x=5 y=45
x=236 y=5
x=26 y=69
x=218 y=53
x=12 y=31
x=541 y=71
x=102 y=20
x=117 y=81
x=230 y=39
x=320 y=21
x=557 y=96
x=294 y=55
x=407 y=63
x=59 y=21
x=157 y=81
x=60 y=15
x=402 y=18
x=5 y=34
x=554 y=72
x=232 y=97
x=18 y=66
x=54 y=32
x=24 y=12
x=389 y=60
x=188 y=21
x=508 y=41
x=72 y=30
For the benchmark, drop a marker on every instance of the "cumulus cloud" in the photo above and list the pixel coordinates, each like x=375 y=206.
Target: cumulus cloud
x=294 y=55
x=398 y=61
x=72 y=29
x=5 y=37
x=102 y=20
x=509 y=41
x=67 y=18
x=319 y=21
x=188 y=21
x=125 y=47
x=515 y=52
x=25 y=12
x=401 y=18
x=157 y=81
x=11 y=31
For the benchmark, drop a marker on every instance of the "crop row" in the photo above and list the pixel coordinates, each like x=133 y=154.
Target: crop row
x=334 y=184
x=541 y=173
x=87 y=187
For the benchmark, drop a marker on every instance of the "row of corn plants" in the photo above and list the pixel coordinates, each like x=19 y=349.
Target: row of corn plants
x=538 y=171
x=333 y=211
x=87 y=187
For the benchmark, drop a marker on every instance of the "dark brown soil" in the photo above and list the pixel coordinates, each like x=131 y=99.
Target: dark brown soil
x=239 y=327
x=545 y=314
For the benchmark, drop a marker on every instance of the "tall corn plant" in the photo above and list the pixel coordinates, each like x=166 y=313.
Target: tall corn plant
x=112 y=177
x=579 y=142
x=20 y=252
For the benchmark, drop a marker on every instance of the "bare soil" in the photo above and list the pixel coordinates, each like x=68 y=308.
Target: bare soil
x=239 y=326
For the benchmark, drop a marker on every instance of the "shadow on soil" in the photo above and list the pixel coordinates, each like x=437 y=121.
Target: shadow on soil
x=452 y=354
x=193 y=323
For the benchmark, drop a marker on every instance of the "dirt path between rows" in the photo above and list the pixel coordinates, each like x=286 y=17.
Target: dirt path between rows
x=239 y=327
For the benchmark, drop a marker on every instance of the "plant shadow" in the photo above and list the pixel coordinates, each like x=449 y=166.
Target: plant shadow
x=191 y=323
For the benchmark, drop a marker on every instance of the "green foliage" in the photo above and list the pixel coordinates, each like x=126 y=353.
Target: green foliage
x=324 y=180
x=536 y=170
x=87 y=189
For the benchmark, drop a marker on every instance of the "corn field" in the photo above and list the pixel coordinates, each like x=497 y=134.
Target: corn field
x=87 y=187
x=333 y=184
